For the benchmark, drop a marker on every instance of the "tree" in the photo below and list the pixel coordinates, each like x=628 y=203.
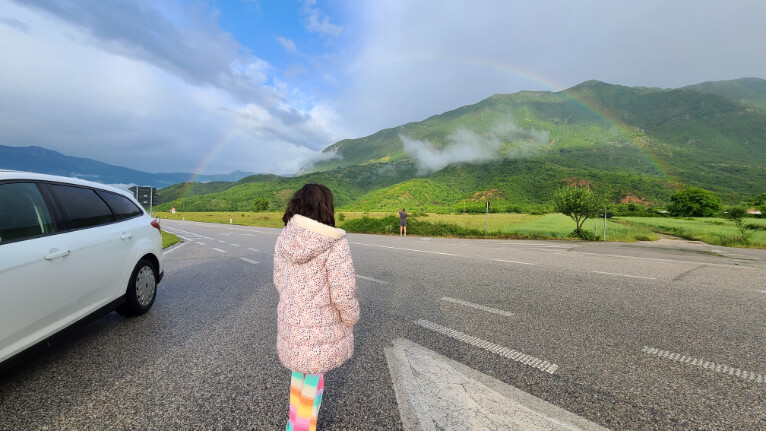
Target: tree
x=579 y=203
x=737 y=214
x=260 y=205
x=694 y=202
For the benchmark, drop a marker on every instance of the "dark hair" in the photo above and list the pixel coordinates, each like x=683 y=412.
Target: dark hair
x=313 y=201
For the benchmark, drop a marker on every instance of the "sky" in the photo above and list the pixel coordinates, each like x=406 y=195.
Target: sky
x=265 y=85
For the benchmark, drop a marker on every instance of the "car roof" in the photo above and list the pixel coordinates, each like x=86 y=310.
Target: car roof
x=21 y=175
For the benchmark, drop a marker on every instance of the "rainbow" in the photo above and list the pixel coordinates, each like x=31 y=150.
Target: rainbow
x=541 y=83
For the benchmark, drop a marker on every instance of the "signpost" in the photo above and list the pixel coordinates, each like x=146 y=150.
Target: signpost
x=486 y=220
x=145 y=196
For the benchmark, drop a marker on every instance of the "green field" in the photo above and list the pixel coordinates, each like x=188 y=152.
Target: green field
x=499 y=225
x=709 y=230
x=549 y=226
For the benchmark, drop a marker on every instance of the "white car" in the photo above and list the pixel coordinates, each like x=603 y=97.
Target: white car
x=70 y=250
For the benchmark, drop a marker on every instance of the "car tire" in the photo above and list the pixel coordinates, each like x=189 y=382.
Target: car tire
x=142 y=289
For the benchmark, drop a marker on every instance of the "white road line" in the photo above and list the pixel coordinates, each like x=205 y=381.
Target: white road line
x=187 y=232
x=235 y=245
x=512 y=261
x=219 y=250
x=511 y=354
x=407 y=249
x=200 y=243
x=247 y=260
x=221 y=241
x=756 y=290
x=624 y=275
x=374 y=280
x=478 y=306
x=653 y=259
x=175 y=248
x=718 y=368
x=252 y=249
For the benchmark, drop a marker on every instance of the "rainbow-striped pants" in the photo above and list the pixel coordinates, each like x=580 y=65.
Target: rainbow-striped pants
x=305 y=398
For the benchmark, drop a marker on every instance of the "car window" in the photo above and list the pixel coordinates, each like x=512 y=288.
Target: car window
x=122 y=207
x=83 y=207
x=23 y=212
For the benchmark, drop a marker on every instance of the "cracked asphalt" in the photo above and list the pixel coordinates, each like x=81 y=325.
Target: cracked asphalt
x=204 y=357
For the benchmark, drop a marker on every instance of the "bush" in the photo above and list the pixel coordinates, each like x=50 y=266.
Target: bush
x=583 y=234
x=341 y=217
x=390 y=224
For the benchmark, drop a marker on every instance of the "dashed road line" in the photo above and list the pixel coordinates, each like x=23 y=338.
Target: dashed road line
x=248 y=260
x=221 y=241
x=234 y=245
x=252 y=249
x=200 y=243
x=718 y=368
x=478 y=306
x=219 y=250
x=374 y=280
x=175 y=248
x=511 y=354
x=624 y=275
x=513 y=261
x=756 y=290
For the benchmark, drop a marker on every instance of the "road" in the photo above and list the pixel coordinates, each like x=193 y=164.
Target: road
x=655 y=335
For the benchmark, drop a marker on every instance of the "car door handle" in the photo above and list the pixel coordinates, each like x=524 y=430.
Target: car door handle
x=57 y=254
x=126 y=235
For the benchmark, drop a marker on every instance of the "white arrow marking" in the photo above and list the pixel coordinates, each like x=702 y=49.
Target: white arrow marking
x=435 y=393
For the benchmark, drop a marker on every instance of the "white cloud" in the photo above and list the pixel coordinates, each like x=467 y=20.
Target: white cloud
x=288 y=44
x=318 y=22
x=110 y=94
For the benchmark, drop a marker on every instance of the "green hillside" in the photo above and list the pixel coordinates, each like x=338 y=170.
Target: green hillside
x=635 y=144
x=750 y=91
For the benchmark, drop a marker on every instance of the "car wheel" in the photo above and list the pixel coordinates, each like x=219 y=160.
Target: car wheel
x=142 y=289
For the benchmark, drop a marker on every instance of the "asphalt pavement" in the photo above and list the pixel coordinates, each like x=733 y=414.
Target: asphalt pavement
x=625 y=336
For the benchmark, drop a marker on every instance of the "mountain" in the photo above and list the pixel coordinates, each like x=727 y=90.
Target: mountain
x=41 y=160
x=750 y=91
x=637 y=144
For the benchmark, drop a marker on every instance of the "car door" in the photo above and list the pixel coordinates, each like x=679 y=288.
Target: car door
x=31 y=260
x=99 y=248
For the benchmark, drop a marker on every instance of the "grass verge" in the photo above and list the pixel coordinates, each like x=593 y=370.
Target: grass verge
x=168 y=239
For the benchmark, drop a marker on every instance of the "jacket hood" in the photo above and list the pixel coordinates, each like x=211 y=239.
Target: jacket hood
x=304 y=239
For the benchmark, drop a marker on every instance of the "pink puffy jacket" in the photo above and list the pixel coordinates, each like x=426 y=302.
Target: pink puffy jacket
x=315 y=278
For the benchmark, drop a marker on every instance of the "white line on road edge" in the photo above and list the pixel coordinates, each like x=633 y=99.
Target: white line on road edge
x=200 y=243
x=248 y=260
x=511 y=354
x=187 y=232
x=252 y=249
x=175 y=248
x=652 y=259
x=374 y=280
x=513 y=261
x=219 y=250
x=407 y=249
x=478 y=306
x=625 y=275
x=718 y=368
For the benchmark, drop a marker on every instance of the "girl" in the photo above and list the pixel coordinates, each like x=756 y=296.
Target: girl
x=317 y=310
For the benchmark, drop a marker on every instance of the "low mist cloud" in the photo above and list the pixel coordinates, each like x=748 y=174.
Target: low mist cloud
x=467 y=146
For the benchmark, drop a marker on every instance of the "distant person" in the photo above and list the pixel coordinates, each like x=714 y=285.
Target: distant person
x=317 y=310
x=402 y=222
